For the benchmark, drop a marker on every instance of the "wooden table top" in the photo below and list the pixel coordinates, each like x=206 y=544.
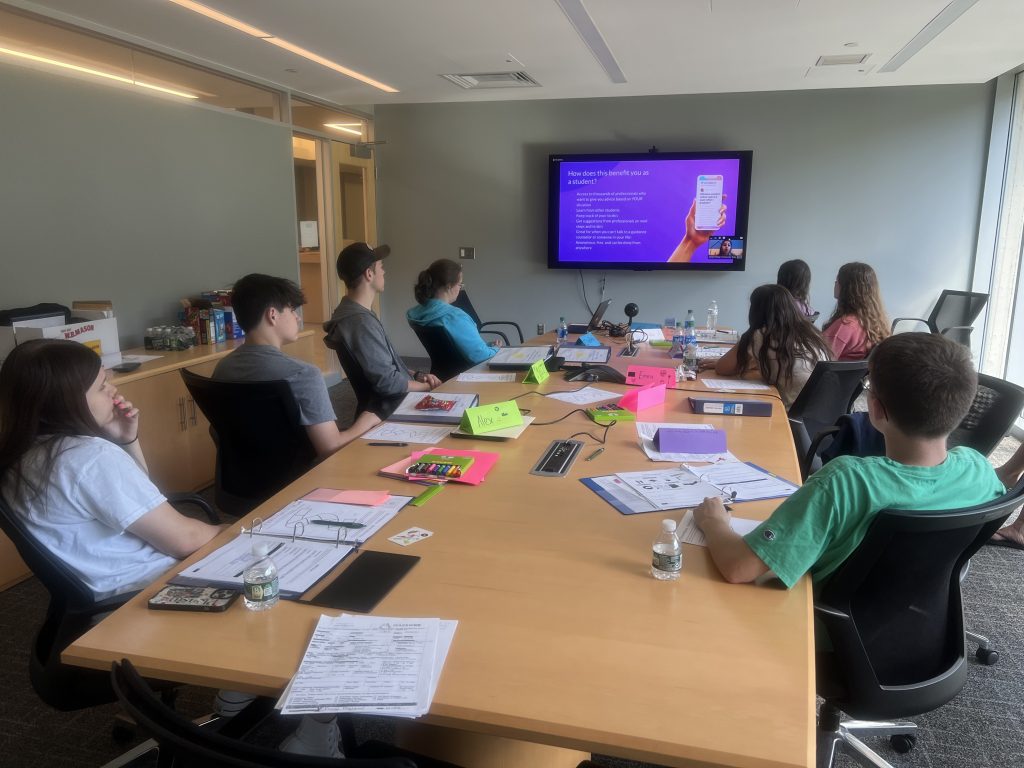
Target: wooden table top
x=564 y=637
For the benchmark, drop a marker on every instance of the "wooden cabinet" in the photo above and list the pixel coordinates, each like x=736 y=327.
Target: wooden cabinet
x=174 y=433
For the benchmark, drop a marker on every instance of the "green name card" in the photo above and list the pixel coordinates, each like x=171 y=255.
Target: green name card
x=487 y=418
x=538 y=373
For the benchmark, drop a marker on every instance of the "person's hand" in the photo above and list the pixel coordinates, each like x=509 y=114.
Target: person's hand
x=706 y=364
x=700 y=236
x=431 y=380
x=710 y=509
x=497 y=343
x=124 y=427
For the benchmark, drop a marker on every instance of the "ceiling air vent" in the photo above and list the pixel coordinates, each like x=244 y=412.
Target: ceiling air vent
x=845 y=59
x=478 y=80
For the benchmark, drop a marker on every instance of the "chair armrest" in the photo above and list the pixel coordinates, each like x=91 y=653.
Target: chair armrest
x=807 y=460
x=498 y=333
x=892 y=328
x=192 y=498
x=506 y=322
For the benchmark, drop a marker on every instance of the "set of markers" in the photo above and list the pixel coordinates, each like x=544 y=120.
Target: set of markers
x=438 y=469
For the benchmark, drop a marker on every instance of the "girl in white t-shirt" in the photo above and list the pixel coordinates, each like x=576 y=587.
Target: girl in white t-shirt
x=781 y=346
x=72 y=467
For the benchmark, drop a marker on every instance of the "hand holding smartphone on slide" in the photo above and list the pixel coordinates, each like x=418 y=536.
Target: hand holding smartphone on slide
x=706 y=215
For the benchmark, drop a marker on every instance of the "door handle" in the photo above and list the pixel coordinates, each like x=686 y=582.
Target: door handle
x=181 y=414
x=192 y=407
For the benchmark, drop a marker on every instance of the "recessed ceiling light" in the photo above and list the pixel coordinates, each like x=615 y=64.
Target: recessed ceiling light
x=355 y=128
x=94 y=72
x=280 y=42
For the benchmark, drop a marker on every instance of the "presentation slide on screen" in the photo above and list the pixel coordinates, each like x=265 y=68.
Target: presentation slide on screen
x=649 y=211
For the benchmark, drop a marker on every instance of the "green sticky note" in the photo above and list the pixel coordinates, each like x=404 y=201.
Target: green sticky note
x=487 y=418
x=538 y=373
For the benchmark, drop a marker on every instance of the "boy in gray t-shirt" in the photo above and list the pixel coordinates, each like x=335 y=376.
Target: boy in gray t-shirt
x=265 y=308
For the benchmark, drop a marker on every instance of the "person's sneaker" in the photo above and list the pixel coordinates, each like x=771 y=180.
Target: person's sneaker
x=315 y=737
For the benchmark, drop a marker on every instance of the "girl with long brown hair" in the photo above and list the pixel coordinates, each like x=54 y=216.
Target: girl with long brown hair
x=859 y=321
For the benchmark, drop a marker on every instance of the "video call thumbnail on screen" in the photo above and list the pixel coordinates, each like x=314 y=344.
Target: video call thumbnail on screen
x=651 y=211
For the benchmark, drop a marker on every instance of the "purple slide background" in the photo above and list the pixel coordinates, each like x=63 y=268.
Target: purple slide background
x=671 y=186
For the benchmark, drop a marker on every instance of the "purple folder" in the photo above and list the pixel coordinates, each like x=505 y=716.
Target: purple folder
x=689 y=440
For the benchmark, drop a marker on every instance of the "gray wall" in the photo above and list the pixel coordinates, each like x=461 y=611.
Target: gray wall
x=109 y=194
x=890 y=176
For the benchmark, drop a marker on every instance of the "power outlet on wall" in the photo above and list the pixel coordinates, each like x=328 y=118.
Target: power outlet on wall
x=467 y=252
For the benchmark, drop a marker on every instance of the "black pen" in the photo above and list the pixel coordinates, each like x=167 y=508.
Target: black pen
x=382 y=445
x=338 y=523
x=272 y=550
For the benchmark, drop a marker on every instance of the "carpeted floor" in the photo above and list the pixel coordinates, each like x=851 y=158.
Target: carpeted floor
x=981 y=728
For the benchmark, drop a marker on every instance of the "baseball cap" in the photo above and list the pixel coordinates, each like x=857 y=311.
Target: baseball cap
x=356 y=258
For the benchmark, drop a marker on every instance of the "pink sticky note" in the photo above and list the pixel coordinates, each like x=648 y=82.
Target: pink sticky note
x=362 y=498
x=645 y=375
x=645 y=397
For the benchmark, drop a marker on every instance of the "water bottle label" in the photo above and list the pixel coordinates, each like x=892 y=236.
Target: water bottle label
x=665 y=562
x=260 y=593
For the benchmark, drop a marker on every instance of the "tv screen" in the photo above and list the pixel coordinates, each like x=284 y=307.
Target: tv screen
x=671 y=210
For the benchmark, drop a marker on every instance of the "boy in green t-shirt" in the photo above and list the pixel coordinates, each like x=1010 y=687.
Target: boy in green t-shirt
x=920 y=386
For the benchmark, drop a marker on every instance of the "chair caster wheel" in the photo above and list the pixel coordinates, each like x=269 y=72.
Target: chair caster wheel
x=903 y=743
x=987 y=656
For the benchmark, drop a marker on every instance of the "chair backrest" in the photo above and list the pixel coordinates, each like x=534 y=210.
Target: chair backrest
x=183 y=743
x=261 y=444
x=446 y=359
x=828 y=394
x=997 y=405
x=893 y=610
x=956 y=309
x=69 y=614
x=462 y=302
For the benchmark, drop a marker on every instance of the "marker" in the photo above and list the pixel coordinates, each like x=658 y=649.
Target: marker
x=338 y=523
x=595 y=454
x=388 y=445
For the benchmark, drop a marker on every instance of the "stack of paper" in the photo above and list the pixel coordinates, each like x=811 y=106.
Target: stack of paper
x=370 y=665
x=483 y=462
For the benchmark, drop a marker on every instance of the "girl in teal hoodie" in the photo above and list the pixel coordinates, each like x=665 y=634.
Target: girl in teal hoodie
x=437 y=287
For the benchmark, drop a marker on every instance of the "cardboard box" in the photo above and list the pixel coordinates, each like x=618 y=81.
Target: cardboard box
x=98 y=335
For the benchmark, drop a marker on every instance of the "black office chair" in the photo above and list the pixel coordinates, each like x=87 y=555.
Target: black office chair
x=261 y=446
x=997 y=406
x=894 y=616
x=184 y=744
x=72 y=610
x=953 y=316
x=446 y=359
x=463 y=303
x=830 y=392
x=367 y=398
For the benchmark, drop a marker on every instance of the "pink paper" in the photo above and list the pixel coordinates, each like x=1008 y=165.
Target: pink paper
x=645 y=375
x=483 y=461
x=362 y=498
x=645 y=397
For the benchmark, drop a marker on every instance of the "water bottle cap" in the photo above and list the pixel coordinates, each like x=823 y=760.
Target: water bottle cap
x=261 y=549
x=668 y=526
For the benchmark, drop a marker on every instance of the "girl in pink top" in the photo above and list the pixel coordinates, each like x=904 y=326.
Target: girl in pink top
x=859 y=321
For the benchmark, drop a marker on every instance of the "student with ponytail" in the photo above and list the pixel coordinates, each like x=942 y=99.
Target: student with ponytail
x=435 y=290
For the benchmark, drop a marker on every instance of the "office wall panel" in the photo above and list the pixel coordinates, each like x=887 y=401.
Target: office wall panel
x=110 y=194
x=891 y=176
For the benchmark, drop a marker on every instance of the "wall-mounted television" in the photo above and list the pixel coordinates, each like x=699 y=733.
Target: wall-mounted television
x=663 y=210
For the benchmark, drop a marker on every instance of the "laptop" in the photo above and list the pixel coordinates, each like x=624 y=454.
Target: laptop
x=595 y=321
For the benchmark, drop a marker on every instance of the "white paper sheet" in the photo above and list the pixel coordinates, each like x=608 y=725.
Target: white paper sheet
x=584 y=354
x=482 y=377
x=735 y=384
x=669 y=488
x=717 y=336
x=370 y=664
x=397 y=432
x=408 y=411
x=654 y=334
x=744 y=482
x=711 y=353
x=298 y=519
x=519 y=355
x=646 y=430
x=300 y=564
x=688 y=533
x=584 y=396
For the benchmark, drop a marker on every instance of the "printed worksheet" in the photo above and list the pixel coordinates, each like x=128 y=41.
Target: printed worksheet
x=669 y=488
x=740 y=481
x=328 y=521
x=485 y=377
x=398 y=432
x=688 y=533
x=584 y=396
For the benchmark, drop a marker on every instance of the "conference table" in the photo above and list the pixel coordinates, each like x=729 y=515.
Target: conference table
x=566 y=645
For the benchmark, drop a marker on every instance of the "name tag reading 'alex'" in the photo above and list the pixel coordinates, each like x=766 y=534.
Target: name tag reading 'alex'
x=488 y=418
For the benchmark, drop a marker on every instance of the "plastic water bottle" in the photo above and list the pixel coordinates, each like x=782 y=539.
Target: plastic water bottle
x=678 y=342
x=712 y=317
x=259 y=581
x=667 y=554
x=690 y=345
x=563 y=330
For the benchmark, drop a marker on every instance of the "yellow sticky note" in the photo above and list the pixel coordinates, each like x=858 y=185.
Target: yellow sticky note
x=487 y=418
x=538 y=373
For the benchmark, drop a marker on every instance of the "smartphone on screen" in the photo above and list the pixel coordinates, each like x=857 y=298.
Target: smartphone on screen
x=709 y=201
